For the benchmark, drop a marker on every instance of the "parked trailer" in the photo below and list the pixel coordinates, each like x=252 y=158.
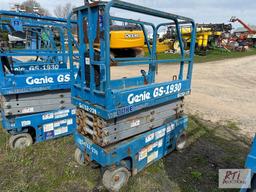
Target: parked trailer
x=35 y=80
x=126 y=124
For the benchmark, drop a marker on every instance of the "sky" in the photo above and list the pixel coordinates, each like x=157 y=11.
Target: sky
x=202 y=11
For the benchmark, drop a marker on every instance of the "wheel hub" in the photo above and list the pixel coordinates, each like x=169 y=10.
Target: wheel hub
x=116 y=178
x=181 y=142
x=21 y=142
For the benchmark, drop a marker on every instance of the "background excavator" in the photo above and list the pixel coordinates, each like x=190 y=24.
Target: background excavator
x=126 y=40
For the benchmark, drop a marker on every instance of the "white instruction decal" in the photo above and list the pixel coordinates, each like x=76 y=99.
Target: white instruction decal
x=56 y=124
x=28 y=110
x=59 y=123
x=152 y=156
x=150 y=137
x=150 y=147
x=61 y=116
x=25 y=123
x=69 y=121
x=160 y=143
x=135 y=123
x=48 y=116
x=60 y=130
x=73 y=111
x=143 y=154
x=159 y=134
x=48 y=127
x=170 y=128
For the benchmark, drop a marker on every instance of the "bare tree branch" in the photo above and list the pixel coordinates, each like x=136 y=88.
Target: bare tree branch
x=63 y=11
x=30 y=6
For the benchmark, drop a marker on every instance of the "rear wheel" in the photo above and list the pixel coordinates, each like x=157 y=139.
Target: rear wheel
x=20 y=141
x=79 y=157
x=181 y=142
x=115 y=179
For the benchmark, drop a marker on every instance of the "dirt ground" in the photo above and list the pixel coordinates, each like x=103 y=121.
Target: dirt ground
x=225 y=91
x=222 y=91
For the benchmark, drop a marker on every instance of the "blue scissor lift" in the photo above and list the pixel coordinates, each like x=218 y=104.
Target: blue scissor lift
x=35 y=79
x=251 y=164
x=125 y=124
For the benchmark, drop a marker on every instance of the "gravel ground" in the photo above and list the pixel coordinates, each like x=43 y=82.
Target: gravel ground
x=225 y=91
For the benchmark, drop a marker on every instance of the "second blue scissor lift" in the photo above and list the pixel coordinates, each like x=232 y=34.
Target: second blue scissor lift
x=35 y=79
x=126 y=124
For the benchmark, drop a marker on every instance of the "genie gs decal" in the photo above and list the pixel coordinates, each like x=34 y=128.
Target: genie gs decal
x=48 y=79
x=157 y=92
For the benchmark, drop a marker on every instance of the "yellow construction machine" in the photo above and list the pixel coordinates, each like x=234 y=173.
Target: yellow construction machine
x=126 y=41
x=208 y=36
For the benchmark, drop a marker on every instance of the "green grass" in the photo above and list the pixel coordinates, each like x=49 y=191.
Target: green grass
x=50 y=166
x=212 y=55
x=196 y=175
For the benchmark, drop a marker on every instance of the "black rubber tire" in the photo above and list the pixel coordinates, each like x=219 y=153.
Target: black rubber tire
x=20 y=141
x=79 y=157
x=176 y=43
x=115 y=179
x=181 y=142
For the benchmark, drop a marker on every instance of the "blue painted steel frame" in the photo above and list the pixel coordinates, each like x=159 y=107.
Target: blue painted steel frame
x=60 y=119
x=251 y=162
x=23 y=80
x=111 y=98
x=26 y=81
x=251 y=158
x=162 y=140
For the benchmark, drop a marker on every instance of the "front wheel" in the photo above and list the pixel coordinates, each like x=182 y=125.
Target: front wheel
x=181 y=142
x=115 y=179
x=79 y=157
x=20 y=141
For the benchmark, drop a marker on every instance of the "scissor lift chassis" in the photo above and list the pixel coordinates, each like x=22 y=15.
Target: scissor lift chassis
x=44 y=115
x=48 y=125
x=37 y=116
x=133 y=154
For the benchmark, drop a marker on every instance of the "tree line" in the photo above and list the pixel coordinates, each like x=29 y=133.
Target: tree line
x=61 y=11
